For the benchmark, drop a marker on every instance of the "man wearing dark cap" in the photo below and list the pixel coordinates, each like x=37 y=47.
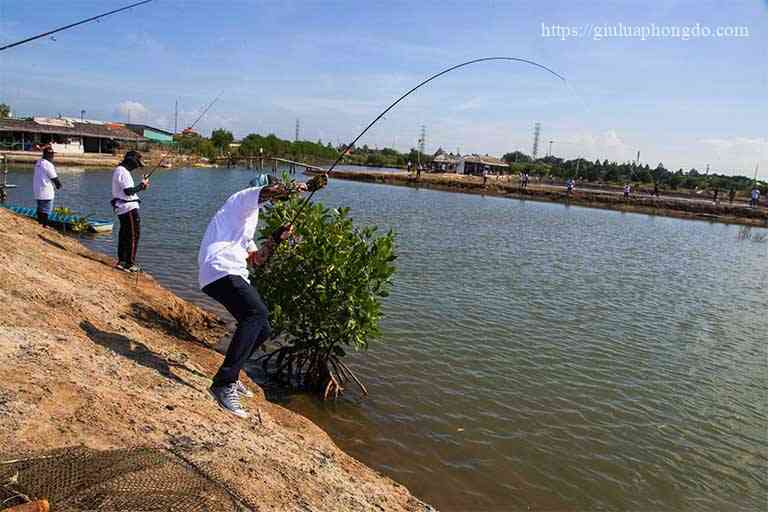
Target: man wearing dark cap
x=44 y=180
x=125 y=202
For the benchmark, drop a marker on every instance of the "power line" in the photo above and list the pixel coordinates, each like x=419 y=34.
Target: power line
x=27 y=40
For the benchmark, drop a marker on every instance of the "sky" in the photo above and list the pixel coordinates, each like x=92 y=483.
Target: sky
x=687 y=102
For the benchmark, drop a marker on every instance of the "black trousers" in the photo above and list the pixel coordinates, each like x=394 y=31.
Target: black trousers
x=245 y=304
x=128 y=239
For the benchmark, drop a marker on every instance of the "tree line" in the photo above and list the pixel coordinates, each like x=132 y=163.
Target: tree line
x=613 y=172
x=220 y=144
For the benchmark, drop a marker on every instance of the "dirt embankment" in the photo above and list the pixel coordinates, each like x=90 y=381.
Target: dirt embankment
x=91 y=356
x=667 y=206
x=101 y=160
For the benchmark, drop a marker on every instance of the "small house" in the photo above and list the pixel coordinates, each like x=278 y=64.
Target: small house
x=151 y=133
x=65 y=135
x=476 y=164
x=444 y=162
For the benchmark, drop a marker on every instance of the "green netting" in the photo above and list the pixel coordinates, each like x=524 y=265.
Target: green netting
x=135 y=479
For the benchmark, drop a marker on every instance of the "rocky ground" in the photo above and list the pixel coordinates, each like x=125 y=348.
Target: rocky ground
x=92 y=356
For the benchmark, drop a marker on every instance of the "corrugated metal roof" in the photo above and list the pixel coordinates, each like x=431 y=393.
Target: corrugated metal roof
x=147 y=127
x=486 y=160
x=67 y=127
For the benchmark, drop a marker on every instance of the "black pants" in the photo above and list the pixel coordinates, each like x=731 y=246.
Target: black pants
x=245 y=304
x=128 y=239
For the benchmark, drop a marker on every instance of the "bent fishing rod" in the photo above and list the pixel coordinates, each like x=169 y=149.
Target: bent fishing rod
x=71 y=25
x=205 y=111
x=306 y=200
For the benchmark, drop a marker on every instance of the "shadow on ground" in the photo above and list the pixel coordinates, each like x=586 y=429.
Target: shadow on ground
x=171 y=326
x=51 y=242
x=137 y=352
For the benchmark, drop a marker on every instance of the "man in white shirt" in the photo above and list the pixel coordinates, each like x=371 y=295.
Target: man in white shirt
x=125 y=201
x=225 y=252
x=45 y=178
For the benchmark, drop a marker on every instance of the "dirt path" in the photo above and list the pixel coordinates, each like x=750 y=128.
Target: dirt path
x=668 y=206
x=91 y=356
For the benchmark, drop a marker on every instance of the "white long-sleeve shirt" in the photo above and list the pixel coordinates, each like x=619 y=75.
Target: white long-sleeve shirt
x=121 y=180
x=229 y=238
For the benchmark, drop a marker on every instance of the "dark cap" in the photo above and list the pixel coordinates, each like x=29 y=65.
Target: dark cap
x=48 y=149
x=133 y=158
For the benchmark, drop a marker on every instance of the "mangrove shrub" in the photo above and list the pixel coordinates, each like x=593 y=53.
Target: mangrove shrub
x=324 y=290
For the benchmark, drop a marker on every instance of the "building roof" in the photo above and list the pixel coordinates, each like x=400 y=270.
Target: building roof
x=445 y=158
x=134 y=126
x=66 y=126
x=485 y=160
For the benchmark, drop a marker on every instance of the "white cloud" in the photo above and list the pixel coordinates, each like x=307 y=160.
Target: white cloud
x=132 y=111
x=738 y=152
x=606 y=145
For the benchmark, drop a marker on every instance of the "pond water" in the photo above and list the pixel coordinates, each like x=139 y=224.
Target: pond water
x=534 y=356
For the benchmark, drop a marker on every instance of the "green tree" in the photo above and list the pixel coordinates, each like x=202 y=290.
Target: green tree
x=221 y=139
x=5 y=110
x=516 y=156
x=324 y=293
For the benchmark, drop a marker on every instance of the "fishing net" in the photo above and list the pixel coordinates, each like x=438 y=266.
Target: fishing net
x=134 y=479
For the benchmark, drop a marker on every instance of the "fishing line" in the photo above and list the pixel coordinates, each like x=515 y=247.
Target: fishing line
x=306 y=200
x=93 y=18
x=205 y=111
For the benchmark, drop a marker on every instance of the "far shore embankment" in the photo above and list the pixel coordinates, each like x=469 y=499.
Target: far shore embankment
x=99 y=160
x=669 y=206
x=96 y=357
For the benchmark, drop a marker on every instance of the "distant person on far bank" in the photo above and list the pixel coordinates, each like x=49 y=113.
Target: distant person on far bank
x=570 y=185
x=524 y=179
x=627 y=190
x=43 y=183
x=755 y=197
x=715 y=194
x=731 y=195
x=125 y=202
x=655 y=189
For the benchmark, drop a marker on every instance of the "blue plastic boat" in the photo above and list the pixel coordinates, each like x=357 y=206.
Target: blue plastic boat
x=65 y=221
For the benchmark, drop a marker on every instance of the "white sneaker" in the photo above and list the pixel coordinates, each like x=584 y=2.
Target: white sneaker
x=229 y=399
x=244 y=391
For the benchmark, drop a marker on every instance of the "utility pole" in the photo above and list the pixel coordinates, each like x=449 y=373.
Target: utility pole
x=176 y=118
x=296 y=139
x=536 y=134
x=550 y=148
x=423 y=139
x=637 y=160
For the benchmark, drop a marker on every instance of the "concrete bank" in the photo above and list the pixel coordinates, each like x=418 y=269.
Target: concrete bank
x=96 y=357
x=666 y=206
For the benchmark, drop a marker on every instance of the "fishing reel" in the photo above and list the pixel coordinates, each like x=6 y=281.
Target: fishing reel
x=317 y=182
x=279 y=234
